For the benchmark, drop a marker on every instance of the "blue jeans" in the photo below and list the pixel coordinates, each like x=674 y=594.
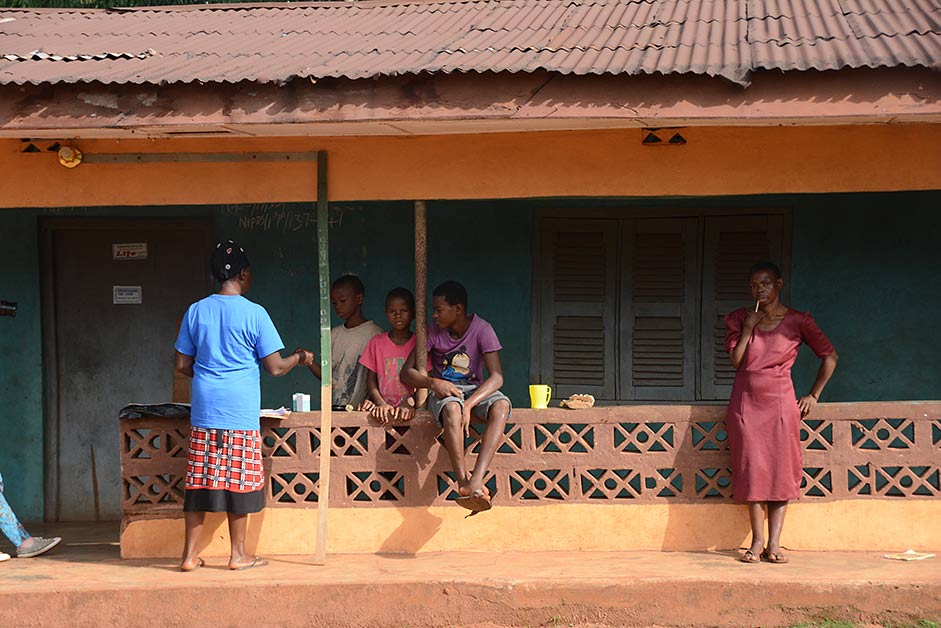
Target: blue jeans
x=9 y=524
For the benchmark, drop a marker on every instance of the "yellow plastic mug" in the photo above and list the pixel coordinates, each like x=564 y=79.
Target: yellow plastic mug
x=539 y=396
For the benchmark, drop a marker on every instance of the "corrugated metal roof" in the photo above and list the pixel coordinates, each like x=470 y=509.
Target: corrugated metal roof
x=232 y=43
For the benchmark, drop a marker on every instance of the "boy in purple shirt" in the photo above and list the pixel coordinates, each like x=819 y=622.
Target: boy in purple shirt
x=461 y=345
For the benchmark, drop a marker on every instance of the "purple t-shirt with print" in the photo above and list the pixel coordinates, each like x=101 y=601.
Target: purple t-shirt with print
x=461 y=360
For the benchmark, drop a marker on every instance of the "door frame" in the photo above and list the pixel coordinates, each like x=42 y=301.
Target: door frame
x=50 y=354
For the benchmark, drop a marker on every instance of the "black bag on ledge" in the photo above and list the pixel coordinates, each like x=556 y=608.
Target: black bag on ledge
x=154 y=410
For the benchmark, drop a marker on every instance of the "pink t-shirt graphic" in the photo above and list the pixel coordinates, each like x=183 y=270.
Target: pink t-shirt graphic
x=385 y=358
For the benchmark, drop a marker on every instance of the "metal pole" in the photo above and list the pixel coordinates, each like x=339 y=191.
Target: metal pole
x=326 y=364
x=421 y=295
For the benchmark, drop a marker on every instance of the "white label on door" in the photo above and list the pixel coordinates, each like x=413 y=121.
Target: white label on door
x=129 y=250
x=127 y=295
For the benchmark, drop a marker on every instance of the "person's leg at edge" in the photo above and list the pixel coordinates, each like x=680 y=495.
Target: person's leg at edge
x=756 y=516
x=238 y=527
x=451 y=416
x=26 y=546
x=9 y=524
x=194 y=527
x=776 y=512
x=496 y=422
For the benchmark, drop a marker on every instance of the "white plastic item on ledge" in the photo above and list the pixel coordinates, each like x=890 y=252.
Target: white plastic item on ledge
x=301 y=402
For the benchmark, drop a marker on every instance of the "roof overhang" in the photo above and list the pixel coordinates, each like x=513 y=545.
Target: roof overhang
x=468 y=103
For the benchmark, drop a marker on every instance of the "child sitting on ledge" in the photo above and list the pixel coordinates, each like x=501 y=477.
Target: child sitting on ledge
x=461 y=345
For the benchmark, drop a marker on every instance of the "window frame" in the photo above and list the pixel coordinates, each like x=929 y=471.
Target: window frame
x=540 y=363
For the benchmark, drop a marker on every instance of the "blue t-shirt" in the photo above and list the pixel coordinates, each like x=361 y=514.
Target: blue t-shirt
x=228 y=336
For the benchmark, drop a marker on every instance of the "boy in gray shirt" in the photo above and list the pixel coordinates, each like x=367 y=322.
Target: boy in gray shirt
x=347 y=342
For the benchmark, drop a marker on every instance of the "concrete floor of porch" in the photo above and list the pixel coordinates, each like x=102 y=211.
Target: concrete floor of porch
x=85 y=583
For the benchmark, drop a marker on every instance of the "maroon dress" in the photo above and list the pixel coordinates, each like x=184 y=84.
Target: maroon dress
x=764 y=420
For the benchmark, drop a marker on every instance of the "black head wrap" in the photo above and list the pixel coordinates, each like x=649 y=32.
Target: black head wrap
x=227 y=261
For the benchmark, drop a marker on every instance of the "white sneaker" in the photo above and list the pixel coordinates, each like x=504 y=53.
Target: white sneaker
x=4 y=557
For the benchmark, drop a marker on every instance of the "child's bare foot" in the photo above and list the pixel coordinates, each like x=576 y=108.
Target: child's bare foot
x=191 y=564
x=466 y=489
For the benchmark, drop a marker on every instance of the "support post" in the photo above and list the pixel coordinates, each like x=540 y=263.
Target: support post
x=326 y=363
x=421 y=296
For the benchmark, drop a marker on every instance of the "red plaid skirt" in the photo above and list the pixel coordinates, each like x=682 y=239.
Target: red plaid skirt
x=225 y=460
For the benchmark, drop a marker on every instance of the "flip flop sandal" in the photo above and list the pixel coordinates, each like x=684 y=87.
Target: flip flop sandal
x=199 y=563
x=774 y=558
x=486 y=501
x=257 y=562
x=749 y=557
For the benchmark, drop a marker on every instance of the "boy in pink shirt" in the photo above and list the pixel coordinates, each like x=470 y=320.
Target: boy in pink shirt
x=387 y=398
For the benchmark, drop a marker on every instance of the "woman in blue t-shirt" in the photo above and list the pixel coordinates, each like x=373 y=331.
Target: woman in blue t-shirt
x=222 y=341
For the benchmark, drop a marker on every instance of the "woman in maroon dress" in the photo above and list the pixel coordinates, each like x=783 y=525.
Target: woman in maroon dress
x=764 y=414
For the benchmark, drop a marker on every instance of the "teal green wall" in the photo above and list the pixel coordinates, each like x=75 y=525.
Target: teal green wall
x=867 y=267
x=487 y=246
x=373 y=240
x=479 y=244
x=21 y=427
x=864 y=264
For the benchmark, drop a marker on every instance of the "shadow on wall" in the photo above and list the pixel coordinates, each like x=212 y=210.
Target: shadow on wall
x=418 y=525
x=695 y=526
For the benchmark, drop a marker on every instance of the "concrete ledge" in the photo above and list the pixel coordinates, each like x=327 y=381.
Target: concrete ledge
x=85 y=585
x=848 y=525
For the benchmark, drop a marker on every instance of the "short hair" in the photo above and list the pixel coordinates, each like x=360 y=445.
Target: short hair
x=770 y=267
x=352 y=282
x=452 y=292
x=402 y=293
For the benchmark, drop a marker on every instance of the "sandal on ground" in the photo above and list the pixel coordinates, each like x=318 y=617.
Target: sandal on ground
x=4 y=556
x=749 y=557
x=199 y=563
x=256 y=562
x=38 y=546
x=776 y=558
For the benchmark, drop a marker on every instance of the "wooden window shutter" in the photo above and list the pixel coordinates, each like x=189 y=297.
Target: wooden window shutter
x=731 y=246
x=577 y=264
x=659 y=309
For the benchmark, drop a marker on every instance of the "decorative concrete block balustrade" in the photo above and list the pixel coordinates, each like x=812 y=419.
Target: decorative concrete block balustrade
x=623 y=477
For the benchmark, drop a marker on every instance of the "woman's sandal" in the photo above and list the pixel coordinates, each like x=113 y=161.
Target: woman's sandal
x=256 y=562
x=775 y=558
x=749 y=557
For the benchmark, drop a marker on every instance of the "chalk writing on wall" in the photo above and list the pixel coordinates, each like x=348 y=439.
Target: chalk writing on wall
x=272 y=217
x=280 y=218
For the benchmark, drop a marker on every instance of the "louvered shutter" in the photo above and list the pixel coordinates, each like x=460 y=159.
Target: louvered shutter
x=577 y=306
x=732 y=245
x=659 y=309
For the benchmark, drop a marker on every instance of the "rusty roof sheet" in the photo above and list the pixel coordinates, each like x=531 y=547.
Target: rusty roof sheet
x=281 y=42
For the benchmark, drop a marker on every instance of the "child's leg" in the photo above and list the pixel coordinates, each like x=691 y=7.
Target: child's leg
x=9 y=524
x=451 y=419
x=497 y=415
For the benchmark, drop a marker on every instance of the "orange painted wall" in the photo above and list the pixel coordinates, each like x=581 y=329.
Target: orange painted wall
x=715 y=161
x=822 y=526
